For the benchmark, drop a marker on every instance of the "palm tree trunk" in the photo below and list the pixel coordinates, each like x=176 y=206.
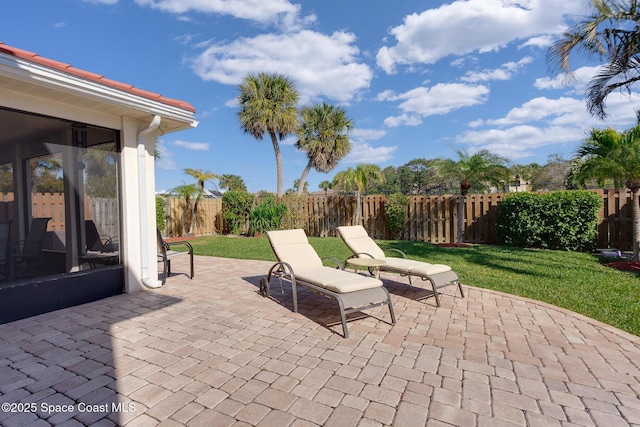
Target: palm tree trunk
x=303 y=178
x=276 y=149
x=193 y=214
x=636 y=223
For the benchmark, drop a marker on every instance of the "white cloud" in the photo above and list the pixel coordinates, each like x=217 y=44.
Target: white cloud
x=363 y=152
x=166 y=161
x=576 y=83
x=281 y=12
x=481 y=26
x=192 y=146
x=504 y=72
x=442 y=98
x=320 y=65
x=545 y=122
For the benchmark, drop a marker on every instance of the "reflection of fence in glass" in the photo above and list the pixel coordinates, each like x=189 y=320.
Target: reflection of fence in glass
x=104 y=212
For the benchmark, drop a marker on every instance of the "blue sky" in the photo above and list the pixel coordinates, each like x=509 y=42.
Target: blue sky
x=418 y=78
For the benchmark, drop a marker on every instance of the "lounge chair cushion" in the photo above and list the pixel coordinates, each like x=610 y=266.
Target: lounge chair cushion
x=416 y=268
x=293 y=246
x=338 y=281
x=360 y=243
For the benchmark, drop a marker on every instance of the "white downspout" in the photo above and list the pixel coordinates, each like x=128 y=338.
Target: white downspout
x=142 y=193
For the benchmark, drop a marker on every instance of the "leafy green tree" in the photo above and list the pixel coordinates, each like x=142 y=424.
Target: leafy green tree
x=46 y=174
x=356 y=179
x=608 y=154
x=552 y=175
x=478 y=170
x=324 y=136
x=611 y=32
x=296 y=188
x=232 y=183
x=6 y=178
x=101 y=172
x=268 y=105
x=417 y=176
x=202 y=177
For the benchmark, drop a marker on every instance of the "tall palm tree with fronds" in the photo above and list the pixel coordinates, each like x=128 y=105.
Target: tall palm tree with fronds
x=608 y=154
x=477 y=170
x=202 y=177
x=324 y=136
x=326 y=186
x=356 y=179
x=611 y=32
x=268 y=104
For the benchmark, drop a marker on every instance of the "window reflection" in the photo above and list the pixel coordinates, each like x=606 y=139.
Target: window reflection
x=61 y=215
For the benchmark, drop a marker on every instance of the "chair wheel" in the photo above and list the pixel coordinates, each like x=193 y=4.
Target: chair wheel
x=264 y=287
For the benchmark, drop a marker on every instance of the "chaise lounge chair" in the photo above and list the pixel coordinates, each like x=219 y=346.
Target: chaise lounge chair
x=362 y=246
x=299 y=263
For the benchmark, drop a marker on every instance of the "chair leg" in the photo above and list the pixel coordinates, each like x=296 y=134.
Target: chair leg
x=435 y=292
x=191 y=260
x=343 y=318
x=460 y=288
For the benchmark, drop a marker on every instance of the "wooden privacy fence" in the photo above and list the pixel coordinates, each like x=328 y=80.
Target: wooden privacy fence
x=208 y=218
x=431 y=219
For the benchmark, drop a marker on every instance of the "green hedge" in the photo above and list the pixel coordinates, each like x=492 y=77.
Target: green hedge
x=564 y=220
x=236 y=206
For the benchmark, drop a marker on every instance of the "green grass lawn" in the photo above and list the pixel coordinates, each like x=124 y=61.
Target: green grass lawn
x=572 y=280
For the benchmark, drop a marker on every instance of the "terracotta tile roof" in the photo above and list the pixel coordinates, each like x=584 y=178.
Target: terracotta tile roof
x=61 y=66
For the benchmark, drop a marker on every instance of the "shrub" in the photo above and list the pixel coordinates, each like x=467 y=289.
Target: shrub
x=396 y=213
x=236 y=206
x=296 y=214
x=266 y=215
x=161 y=213
x=564 y=220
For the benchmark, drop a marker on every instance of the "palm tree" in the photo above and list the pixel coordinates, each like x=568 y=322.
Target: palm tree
x=326 y=186
x=612 y=33
x=202 y=177
x=232 y=182
x=477 y=170
x=268 y=105
x=357 y=179
x=187 y=192
x=607 y=154
x=323 y=135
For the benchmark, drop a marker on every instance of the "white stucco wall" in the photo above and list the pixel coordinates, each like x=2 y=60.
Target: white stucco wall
x=131 y=207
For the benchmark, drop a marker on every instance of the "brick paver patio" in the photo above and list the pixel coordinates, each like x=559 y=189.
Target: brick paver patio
x=212 y=352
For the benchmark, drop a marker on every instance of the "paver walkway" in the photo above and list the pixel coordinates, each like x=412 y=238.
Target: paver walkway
x=212 y=352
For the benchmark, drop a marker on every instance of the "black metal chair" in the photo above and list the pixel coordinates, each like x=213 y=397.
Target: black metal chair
x=95 y=240
x=165 y=253
x=28 y=252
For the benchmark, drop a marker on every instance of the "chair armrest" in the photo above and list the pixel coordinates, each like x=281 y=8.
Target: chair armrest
x=338 y=264
x=398 y=251
x=179 y=242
